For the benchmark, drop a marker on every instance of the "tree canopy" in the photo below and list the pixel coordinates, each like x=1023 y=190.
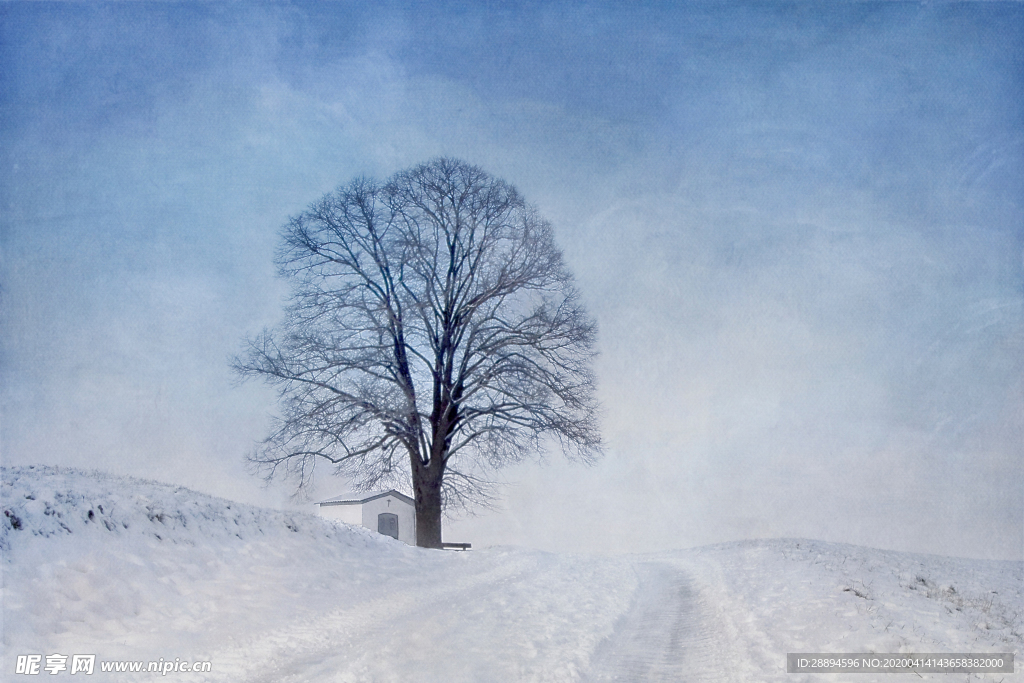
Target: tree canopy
x=433 y=335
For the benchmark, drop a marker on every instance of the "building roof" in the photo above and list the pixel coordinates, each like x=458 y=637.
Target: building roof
x=361 y=497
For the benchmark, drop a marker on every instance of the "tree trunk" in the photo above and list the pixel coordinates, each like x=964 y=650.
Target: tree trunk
x=427 y=486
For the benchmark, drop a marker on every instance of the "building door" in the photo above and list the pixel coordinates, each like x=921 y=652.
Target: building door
x=387 y=524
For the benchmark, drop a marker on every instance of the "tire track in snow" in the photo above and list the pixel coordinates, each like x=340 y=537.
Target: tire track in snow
x=495 y=617
x=665 y=636
x=334 y=646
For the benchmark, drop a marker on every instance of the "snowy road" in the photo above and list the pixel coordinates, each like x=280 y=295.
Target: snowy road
x=665 y=636
x=144 y=572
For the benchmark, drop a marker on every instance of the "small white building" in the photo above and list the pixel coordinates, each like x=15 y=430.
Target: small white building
x=388 y=512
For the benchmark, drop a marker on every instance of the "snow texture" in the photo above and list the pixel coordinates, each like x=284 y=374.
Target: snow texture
x=136 y=570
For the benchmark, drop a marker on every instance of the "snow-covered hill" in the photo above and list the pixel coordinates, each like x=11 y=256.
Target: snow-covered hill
x=139 y=571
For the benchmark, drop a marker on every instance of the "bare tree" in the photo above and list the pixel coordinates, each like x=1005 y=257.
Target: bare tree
x=433 y=335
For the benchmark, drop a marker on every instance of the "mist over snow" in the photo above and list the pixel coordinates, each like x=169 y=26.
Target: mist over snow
x=798 y=226
x=135 y=570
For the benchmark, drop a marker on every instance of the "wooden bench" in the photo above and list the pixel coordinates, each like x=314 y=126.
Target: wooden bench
x=456 y=546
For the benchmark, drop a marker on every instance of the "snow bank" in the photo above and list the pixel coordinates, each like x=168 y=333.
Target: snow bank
x=772 y=597
x=131 y=569
x=137 y=570
x=140 y=571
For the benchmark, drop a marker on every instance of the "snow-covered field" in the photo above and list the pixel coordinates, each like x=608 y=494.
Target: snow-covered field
x=140 y=571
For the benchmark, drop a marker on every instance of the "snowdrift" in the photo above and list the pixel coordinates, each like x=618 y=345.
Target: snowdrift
x=139 y=571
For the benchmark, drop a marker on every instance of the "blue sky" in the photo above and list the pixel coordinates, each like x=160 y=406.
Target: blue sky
x=799 y=227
